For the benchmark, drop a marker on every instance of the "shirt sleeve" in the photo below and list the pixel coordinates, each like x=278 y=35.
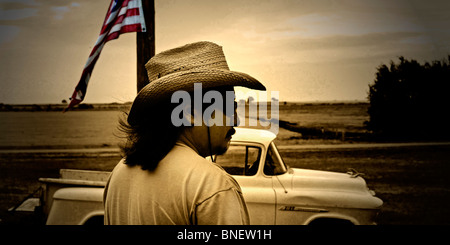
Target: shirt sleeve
x=226 y=207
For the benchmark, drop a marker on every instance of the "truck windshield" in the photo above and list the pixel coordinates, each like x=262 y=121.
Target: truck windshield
x=274 y=165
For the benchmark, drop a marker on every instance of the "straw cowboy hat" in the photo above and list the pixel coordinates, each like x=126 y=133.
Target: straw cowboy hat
x=179 y=68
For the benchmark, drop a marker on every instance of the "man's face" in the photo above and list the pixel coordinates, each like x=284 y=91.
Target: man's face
x=219 y=135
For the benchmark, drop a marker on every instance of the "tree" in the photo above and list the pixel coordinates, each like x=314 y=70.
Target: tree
x=409 y=100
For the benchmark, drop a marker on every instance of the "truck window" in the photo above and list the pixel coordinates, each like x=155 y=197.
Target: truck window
x=240 y=160
x=273 y=164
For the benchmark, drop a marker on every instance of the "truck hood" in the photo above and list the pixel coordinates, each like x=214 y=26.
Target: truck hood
x=331 y=189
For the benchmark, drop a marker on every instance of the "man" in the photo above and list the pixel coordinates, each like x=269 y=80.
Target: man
x=164 y=177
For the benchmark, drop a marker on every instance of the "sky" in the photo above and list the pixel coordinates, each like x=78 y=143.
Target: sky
x=307 y=50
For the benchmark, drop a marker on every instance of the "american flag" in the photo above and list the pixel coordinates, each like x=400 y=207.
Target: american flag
x=123 y=16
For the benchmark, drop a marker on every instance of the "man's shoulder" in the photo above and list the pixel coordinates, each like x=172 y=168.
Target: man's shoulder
x=189 y=162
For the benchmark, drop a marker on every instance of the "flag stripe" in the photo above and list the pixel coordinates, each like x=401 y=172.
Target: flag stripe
x=94 y=55
x=130 y=12
x=125 y=20
x=122 y=22
x=122 y=16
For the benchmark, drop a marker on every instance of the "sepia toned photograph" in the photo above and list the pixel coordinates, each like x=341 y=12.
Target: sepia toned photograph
x=237 y=112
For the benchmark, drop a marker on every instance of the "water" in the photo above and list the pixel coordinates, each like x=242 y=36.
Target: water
x=81 y=129
x=56 y=129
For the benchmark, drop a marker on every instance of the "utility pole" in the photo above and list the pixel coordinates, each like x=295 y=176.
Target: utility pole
x=145 y=43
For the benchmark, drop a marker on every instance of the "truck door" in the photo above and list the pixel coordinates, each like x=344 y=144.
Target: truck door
x=243 y=161
x=275 y=167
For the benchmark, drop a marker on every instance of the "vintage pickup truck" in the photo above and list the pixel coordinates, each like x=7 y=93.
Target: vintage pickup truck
x=275 y=194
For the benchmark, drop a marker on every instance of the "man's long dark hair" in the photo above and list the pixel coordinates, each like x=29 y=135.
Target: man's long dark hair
x=149 y=140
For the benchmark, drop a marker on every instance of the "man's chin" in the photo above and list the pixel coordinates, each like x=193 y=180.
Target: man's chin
x=224 y=149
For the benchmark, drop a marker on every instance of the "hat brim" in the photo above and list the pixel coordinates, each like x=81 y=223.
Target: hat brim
x=161 y=89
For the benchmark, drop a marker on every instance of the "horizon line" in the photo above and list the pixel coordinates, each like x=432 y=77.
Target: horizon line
x=130 y=102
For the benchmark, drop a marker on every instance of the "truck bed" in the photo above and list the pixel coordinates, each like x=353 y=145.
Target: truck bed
x=71 y=178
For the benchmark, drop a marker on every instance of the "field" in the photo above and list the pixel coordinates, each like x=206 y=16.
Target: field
x=411 y=179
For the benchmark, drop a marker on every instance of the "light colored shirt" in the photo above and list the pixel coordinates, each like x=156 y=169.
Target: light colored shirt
x=184 y=189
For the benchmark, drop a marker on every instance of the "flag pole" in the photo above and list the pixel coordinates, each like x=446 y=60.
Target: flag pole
x=145 y=43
